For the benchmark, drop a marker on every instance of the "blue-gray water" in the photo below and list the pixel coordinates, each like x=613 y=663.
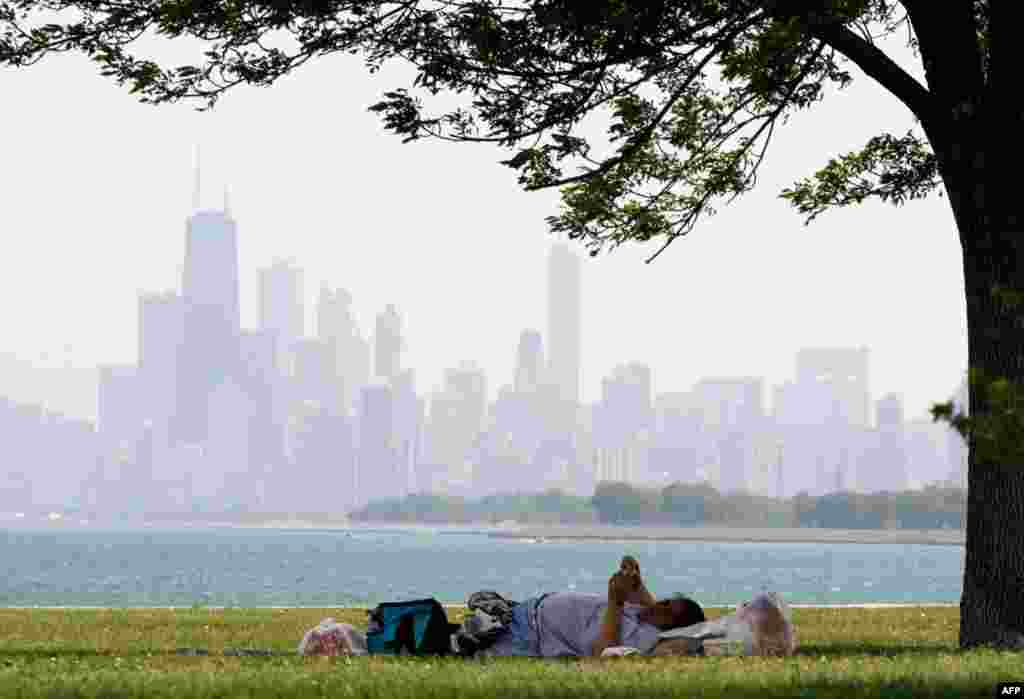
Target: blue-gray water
x=264 y=567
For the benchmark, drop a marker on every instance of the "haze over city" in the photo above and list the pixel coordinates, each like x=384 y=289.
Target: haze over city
x=97 y=211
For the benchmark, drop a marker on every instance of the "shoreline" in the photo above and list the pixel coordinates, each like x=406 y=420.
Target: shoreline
x=539 y=534
x=931 y=537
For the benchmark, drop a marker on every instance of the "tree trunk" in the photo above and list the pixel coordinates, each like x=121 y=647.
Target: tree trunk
x=992 y=605
x=979 y=149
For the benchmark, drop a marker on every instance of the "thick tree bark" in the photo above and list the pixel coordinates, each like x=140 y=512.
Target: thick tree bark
x=992 y=605
x=979 y=147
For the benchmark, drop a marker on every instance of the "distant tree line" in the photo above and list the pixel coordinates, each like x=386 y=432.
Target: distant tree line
x=549 y=507
x=936 y=506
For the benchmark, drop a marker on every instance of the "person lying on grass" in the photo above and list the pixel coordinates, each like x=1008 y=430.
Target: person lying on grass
x=582 y=624
x=628 y=620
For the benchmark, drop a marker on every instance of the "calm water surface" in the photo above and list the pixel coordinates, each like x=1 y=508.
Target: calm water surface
x=267 y=567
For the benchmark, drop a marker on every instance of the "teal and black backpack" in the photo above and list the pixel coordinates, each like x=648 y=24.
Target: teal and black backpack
x=420 y=627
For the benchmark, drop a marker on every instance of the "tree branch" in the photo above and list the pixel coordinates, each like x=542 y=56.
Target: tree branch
x=874 y=62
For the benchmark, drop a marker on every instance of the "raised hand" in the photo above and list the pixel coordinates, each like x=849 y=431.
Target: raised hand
x=630 y=568
x=619 y=589
x=638 y=593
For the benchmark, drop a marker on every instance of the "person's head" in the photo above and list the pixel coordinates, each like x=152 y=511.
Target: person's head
x=673 y=613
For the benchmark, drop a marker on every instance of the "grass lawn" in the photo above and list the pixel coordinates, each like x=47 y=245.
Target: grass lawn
x=131 y=653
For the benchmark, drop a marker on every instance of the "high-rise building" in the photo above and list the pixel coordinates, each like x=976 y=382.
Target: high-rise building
x=457 y=414
x=226 y=475
x=677 y=432
x=630 y=389
x=315 y=376
x=468 y=383
x=282 y=309
x=375 y=475
x=268 y=401
x=334 y=318
x=730 y=403
x=927 y=454
x=337 y=327
x=161 y=333
x=623 y=425
x=388 y=344
x=564 y=326
x=408 y=427
x=121 y=429
x=259 y=356
x=845 y=372
x=529 y=362
x=118 y=404
x=890 y=412
x=211 y=321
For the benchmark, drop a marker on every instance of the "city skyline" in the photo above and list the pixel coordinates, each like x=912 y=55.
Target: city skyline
x=288 y=307
x=738 y=297
x=219 y=413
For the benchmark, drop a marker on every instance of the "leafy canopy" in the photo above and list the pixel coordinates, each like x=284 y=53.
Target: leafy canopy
x=533 y=69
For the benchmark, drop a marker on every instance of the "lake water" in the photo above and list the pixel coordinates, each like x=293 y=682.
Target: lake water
x=293 y=568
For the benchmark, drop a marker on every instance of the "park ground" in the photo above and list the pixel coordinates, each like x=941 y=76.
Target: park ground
x=113 y=653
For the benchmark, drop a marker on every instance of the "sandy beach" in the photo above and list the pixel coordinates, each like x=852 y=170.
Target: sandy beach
x=937 y=537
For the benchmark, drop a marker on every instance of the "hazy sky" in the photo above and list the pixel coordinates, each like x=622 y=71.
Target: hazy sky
x=96 y=188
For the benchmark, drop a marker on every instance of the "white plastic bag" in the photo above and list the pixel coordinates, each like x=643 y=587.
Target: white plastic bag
x=331 y=638
x=762 y=626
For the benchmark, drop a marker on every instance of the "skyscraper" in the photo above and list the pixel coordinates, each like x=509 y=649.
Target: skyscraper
x=161 y=332
x=377 y=465
x=211 y=321
x=334 y=314
x=529 y=362
x=268 y=402
x=315 y=375
x=624 y=422
x=564 y=329
x=890 y=412
x=281 y=308
x=730 y=403
x=887 y=469
x=845 y=372
x=456 y=419
x=337 y=326
x=388 y=344
x=408 y=426
x=118 y=404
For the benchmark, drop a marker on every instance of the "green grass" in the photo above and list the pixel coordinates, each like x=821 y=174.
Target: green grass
x=131 y=653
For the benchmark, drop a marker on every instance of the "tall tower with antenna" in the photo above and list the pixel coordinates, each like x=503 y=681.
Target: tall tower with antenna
x=210 y=351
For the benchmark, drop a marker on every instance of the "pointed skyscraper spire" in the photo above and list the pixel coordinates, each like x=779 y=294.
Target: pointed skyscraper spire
x=196 y=190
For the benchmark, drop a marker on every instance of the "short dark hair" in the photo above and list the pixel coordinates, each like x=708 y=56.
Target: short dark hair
x=686 y=612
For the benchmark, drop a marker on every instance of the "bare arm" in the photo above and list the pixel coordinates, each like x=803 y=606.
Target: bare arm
x=612 y=623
